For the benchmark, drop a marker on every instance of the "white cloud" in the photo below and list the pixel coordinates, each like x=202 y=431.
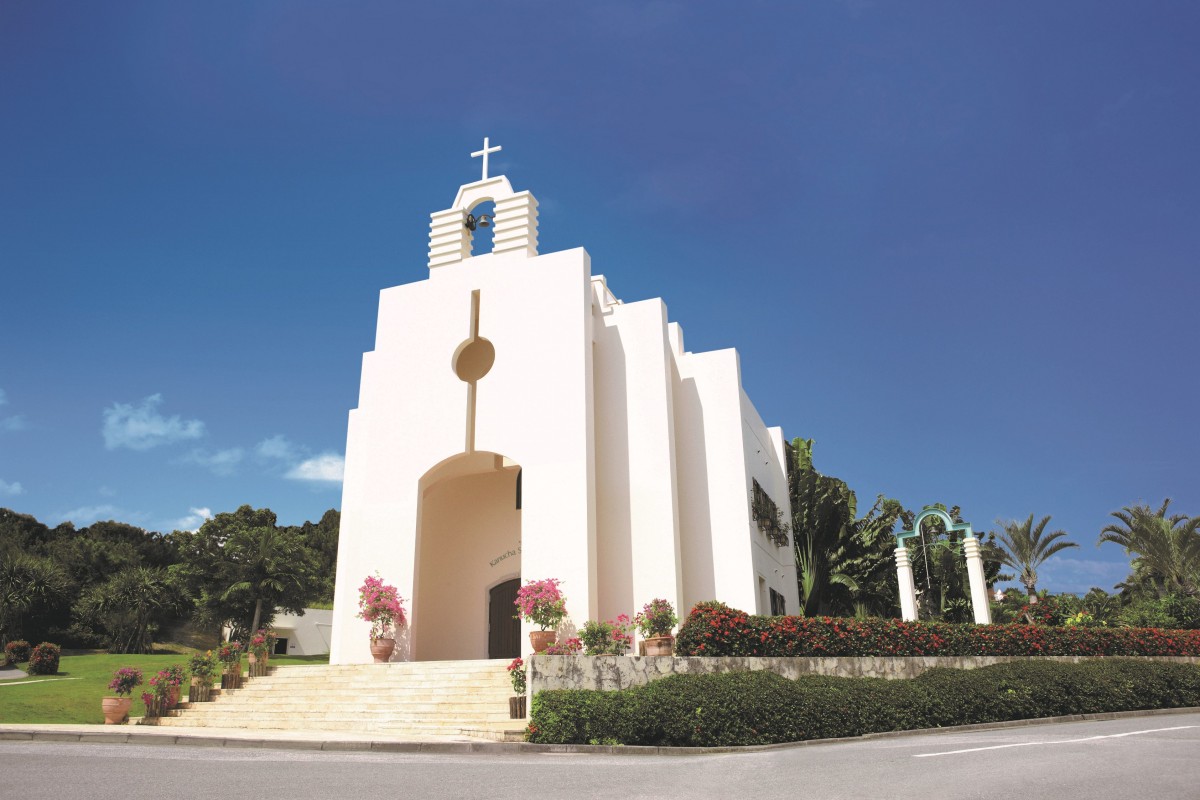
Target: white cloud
x=325 y=468
x=192 y=521
x=221 y=462
x=11 y=489
x=86 y=514
x=278 y=448
x=16 y=423
x=142 y=428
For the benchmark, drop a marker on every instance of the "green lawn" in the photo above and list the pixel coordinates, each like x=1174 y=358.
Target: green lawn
x=73 y=695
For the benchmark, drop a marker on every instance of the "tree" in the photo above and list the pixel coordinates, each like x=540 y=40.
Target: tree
x=822 y=514
x=844 y=564
x=239 y=568
x=28 y=584
x=129 y=606
x=1166 y=549
x=1025 y=547
x=274 y=568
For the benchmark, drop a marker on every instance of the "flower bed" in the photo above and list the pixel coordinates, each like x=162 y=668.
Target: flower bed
x=714 y=629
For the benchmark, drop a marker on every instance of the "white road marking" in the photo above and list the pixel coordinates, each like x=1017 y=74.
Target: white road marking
x=1060 y=741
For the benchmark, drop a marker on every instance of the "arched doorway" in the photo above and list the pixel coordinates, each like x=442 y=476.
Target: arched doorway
x=468 y=559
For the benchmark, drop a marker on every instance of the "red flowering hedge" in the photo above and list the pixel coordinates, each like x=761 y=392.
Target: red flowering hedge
x=714 y=629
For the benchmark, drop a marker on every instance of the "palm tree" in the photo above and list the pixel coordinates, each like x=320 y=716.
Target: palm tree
x=1025 y=546
x=26 y=583
x=1167 y=549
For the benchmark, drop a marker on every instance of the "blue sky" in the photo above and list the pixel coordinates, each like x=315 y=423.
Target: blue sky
x=955 y=243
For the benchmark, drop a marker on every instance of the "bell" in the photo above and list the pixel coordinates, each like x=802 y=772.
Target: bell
x=485 y=220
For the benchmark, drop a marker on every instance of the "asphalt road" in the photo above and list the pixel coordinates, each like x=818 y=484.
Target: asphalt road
x=1153 y=757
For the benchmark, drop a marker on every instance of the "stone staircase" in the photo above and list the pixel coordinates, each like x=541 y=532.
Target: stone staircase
x=423 y=699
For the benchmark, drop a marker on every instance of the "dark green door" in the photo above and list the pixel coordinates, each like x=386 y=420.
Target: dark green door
x=504 y=629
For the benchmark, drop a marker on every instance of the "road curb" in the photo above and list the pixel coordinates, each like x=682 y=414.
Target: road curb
x=79 y=734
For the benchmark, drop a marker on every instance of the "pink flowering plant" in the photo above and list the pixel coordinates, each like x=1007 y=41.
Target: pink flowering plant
x=613 y=637
x=230 y=652
x=656 y=618
x=516 y=673
x=542 y=603
x=262 y=642
x=125 y=680
x=160 y=699
x=571 y=647
x=380 y=605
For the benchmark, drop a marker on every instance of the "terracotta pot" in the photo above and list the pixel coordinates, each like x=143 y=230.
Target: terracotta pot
x=660 y=646
x=381 y=650
x=173 y=696
x=116 y=709
x=542 y=639
x=516 y=707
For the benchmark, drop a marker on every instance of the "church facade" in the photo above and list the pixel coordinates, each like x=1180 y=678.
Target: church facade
x=516 y=421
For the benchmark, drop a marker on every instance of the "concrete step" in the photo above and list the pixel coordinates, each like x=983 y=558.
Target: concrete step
x=458 y=699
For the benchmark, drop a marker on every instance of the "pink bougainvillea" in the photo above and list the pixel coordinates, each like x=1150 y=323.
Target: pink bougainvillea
x=380 y=605
x=541 y=603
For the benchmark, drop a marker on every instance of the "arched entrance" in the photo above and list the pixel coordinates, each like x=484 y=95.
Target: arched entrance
x=468 y=559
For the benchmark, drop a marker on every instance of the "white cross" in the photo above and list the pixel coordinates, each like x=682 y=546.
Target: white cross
x=484 y=152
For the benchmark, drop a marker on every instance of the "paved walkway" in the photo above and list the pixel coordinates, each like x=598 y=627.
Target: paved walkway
x=379 y=742
x=11 y=673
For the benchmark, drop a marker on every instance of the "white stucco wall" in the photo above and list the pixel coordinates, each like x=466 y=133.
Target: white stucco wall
x=307 y=634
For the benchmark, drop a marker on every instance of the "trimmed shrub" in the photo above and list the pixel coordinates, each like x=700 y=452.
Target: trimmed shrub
x=714 y=629
x=17 y=651
x=43 y=659
x=752 y=708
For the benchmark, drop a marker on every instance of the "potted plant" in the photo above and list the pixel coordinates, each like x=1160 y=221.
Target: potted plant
x=203 y=667
x=571 y=647
x=655 y=621
x=610 y=638
x=164 y=691
x=261 y=644
x=382 y=606
x=116 y=709
x=230 y=655
x=516 y=673
x=542 y=603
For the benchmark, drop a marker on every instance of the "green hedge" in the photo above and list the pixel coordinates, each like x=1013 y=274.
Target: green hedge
x=752 y=708
x=714 y=629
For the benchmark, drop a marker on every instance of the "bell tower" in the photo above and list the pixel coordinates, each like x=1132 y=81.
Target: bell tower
x=516 y=223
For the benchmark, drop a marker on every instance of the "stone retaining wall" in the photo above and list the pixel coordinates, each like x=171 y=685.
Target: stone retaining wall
x=607 y=673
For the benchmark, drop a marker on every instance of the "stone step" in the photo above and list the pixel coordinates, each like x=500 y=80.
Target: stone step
x=466 y=698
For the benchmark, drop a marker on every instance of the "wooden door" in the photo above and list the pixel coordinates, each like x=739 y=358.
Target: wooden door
x=504 y=629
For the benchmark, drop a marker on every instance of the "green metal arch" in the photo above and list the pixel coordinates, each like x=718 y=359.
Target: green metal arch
x=931 y=511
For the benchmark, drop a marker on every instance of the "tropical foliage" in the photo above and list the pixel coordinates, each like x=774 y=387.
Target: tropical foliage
x=1165 y=549
x=116 y=586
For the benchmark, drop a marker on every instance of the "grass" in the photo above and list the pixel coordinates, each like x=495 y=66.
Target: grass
x=73 y=695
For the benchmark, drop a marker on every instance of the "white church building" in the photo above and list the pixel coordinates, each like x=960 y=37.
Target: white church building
x=516 y=421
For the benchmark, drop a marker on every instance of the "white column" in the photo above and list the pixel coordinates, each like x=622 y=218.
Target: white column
x=979 y=595
x=449 y=239
x=908 y=594
x=516 y=225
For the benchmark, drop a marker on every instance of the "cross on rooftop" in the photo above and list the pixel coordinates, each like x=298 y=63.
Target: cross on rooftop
x=484 y=152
